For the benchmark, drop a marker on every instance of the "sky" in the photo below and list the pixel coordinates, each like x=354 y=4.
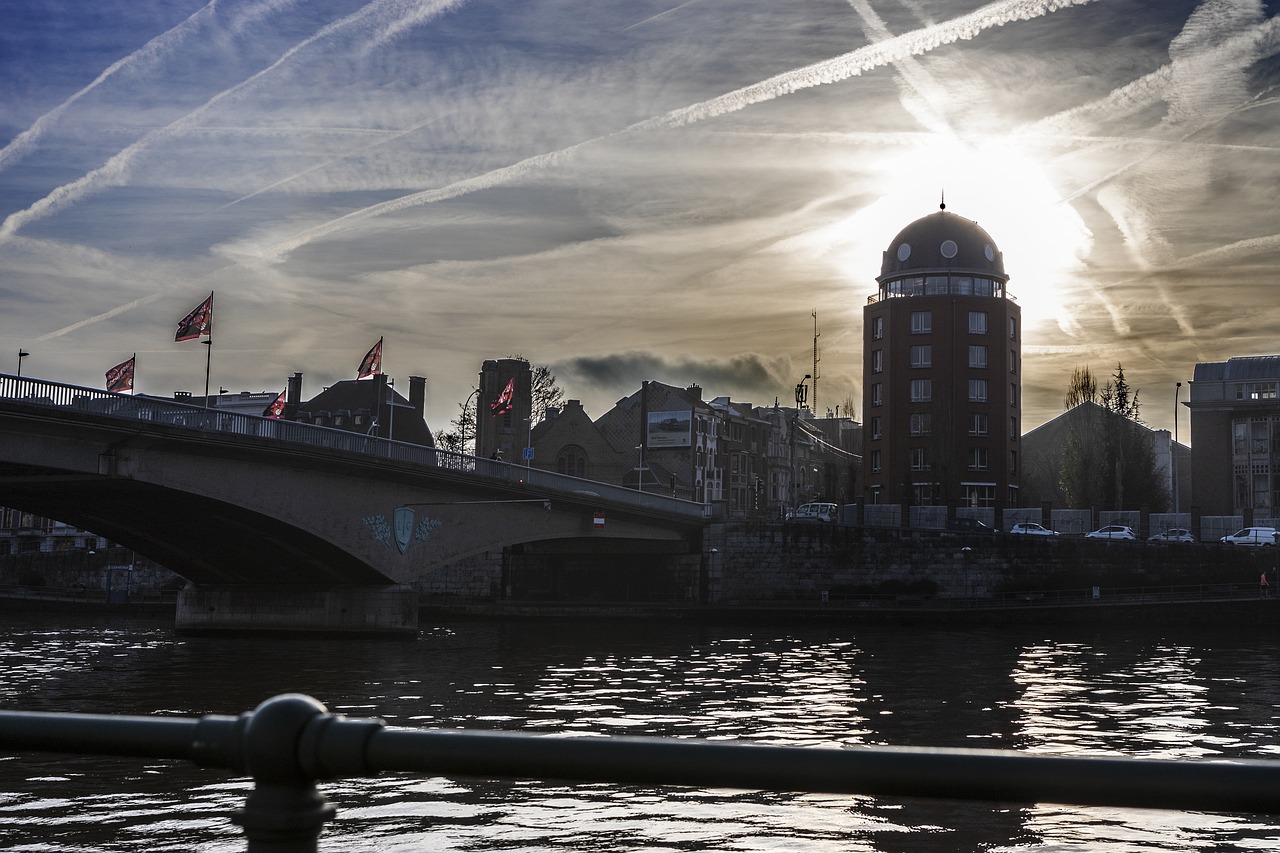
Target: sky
x=622 y=191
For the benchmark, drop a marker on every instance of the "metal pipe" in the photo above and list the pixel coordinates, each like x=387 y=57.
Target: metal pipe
x=990 y=775
x=291 y=741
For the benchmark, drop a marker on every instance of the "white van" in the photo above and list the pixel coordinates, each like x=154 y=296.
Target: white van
x=1251 y=536
x=814 y=512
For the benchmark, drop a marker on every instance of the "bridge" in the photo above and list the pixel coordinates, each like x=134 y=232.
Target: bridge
x=289 y=526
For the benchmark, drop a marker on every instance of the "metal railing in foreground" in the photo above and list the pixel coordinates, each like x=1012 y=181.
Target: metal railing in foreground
x=289 y=742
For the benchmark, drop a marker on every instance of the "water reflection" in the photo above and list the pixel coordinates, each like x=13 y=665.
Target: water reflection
x=1130 y=693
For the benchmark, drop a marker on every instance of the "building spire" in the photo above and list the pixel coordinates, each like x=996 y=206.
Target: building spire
x=943 y=204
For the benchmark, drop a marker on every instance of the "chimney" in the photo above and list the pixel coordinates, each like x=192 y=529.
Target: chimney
x=418 y=396
x=293 y=397
x=381 y=407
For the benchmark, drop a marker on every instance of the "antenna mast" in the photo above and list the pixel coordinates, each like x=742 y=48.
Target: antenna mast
x=816 y=359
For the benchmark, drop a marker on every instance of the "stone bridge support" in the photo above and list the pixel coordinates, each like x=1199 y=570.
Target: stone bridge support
x=328 y=610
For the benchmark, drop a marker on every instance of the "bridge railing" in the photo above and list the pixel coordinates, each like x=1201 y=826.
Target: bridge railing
x=56 y=395
x=291 y=741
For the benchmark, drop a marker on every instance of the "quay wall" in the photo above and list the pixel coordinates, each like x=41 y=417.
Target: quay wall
x=752 y=562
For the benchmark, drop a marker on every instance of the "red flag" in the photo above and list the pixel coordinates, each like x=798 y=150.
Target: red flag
x=503 y=404
x=198 y=322
x=372 y=361
x=120 y=377
x=276 y=409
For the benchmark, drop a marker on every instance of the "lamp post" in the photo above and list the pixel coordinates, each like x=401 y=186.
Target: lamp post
x=475 y=427
x=1173 y=451
x=21 y=355
x=640 y=470
x=802 y=394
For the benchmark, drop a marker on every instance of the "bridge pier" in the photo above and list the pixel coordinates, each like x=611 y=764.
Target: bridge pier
x=388 y=610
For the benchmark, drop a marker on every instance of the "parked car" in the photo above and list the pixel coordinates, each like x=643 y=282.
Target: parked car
x=814 y=512
x=1030 y=528
x=1251 y=536
x=1111 y=531
x=1173 y=534
x=969 y=525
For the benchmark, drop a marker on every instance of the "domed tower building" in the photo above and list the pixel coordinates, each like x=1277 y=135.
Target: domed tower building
x=942 y=371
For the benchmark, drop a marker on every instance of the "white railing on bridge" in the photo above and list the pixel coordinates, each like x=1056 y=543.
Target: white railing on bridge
x=90 y=401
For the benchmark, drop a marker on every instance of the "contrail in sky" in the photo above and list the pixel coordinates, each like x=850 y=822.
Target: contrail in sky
x=165 y=43
x=832 y=70
x=106 y=315
x=382 y=16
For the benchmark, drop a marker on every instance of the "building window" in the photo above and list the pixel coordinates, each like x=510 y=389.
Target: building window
x=1013 y=427
x=979 y=494
x=1013 y=394
x=877 y=360
x=923 y=493
x=978 y=356
x=977 y=458
x=978 y=423
x=1013 y=461
x=977 y=322
x=875 y=462
x=572 y=460
x=921 y=322
x=1256 y=391
x=922 y=424
x=977 y=390
x=921 y=390
x=877 y=328
x=875 y=394
x=1013 y=328
x=875 y=427
x=919 y=461
x=873 y=495
x=1013 y=361
x=922 y=355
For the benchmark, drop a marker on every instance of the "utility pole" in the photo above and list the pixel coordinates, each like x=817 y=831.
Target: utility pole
x=816 y=359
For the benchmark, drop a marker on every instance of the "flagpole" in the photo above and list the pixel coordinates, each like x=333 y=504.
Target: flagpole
x=391 y=403
x=208 y=353
x=133 y=383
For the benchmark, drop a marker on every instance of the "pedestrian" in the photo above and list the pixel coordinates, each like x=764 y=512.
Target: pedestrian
x=1264 y=587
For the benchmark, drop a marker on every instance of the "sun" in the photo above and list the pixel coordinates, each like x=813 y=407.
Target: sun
x=1004 y=190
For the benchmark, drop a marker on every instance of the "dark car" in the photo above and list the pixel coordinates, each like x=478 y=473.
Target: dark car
x=969 y=525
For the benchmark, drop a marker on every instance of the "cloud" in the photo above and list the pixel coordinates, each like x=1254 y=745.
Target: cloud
x=377 y=22
x=840 y=68
x=752 y=375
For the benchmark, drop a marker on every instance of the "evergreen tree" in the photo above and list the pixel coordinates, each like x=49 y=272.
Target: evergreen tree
x=1108 y=461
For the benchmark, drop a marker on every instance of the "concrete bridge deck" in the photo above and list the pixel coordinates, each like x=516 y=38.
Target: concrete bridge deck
x=230 y=499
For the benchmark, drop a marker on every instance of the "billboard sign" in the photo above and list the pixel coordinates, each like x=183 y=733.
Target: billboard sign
x=669 y=429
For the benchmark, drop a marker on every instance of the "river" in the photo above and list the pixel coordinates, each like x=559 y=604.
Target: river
x=1184 y=693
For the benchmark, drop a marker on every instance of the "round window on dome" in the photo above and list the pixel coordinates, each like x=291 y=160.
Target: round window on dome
x=989 y=252
x=904 y=251
x=949 y=249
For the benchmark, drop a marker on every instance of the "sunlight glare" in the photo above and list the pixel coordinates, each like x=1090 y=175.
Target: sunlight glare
x=1043 y=239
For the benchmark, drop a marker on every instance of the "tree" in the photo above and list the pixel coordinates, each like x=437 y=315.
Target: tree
x=545 y=392
x=1081 y=388
x=1107 y=456
x=462 y=438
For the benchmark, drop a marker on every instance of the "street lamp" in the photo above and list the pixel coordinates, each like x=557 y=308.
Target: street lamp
x=640 y=470
x=802 y=394
x=21 y=355
x=1173 y=451
x=475 y=427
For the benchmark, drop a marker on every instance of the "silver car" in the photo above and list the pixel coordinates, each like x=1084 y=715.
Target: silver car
x=1111 y=531
x=1030 y=528
x=1173 y=534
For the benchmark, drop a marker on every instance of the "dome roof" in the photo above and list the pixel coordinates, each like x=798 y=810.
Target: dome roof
x=942 y=242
